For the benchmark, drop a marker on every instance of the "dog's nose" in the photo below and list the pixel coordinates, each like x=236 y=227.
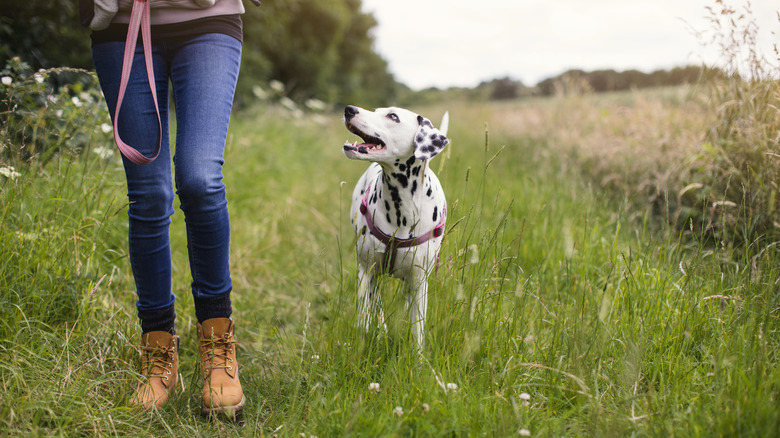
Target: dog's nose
x=350 y=112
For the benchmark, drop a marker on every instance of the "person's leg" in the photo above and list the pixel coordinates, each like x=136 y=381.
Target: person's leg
x=204 y=71
x=149 y=188
x=150 y=192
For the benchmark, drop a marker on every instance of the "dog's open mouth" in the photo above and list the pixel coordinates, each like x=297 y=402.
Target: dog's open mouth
x=370 y=143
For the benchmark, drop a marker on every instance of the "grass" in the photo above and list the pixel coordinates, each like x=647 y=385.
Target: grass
x=613 y=323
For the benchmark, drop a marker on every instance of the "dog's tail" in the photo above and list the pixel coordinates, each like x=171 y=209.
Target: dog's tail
x=445 y=123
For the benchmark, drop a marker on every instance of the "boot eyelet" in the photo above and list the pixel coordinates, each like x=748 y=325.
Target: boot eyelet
x=165 y=378
x=169 y=373
x=230 y=368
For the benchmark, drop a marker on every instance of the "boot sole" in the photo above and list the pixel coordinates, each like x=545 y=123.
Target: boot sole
x=231 y=412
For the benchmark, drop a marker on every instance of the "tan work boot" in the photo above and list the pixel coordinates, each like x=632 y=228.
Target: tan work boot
x=159 y=368
x=222 y=393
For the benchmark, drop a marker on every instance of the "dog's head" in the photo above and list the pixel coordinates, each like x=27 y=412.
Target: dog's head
x=391 y=133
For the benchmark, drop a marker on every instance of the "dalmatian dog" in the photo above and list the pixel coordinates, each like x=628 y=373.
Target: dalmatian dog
x=398 y=207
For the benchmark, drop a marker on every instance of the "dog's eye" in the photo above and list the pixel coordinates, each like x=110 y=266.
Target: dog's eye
x=394 y=117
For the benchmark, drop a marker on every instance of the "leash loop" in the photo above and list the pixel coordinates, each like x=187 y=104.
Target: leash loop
x=140 y=19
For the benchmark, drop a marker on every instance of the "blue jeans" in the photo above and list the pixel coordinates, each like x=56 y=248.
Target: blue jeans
x=203 y=71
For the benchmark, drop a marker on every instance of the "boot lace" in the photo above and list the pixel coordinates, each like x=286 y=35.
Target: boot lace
x=159 y=360
x=217 y=351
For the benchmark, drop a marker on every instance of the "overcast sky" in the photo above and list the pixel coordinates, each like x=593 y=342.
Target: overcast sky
x=445 y=43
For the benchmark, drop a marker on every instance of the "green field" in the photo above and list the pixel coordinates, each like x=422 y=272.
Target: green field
x=559 y=308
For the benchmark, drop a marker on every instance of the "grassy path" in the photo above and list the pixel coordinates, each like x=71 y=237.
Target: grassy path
x=551 y=314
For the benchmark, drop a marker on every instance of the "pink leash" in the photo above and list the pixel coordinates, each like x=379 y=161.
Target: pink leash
x=139 y=18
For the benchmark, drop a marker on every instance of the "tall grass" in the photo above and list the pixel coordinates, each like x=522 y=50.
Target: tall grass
x=704 y=155
x=559 y=309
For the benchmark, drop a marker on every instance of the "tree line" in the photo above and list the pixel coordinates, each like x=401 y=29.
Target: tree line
x=319 y=49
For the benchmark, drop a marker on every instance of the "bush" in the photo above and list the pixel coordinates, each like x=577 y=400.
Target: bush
x=47 y=112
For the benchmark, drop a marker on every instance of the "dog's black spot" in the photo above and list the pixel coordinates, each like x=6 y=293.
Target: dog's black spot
x=363 y=231
x=430 y=192
x=438 y=143
x=404 y=220
x=402 y=179
x=416 y=170
x=419 y=138
x=401 y=167
x=435 y=212
x=414 y=186
x=387 y=205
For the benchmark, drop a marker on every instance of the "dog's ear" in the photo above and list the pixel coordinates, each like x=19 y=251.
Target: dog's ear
x=428 y=141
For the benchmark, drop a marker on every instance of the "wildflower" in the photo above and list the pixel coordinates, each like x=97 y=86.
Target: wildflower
x=7 y=80
x=452 y=386
x=104 y=152
x=425 y=407
x=288 y=103
x=373 y=386
x=106 y=128
x=76 y=101
x=259 y=92
x=277 y=86
x=398 y=411
x=524 y=432
x=9 y=172
x=315 y=357
x=525 y=397
x=315 y=105
x=38 y=78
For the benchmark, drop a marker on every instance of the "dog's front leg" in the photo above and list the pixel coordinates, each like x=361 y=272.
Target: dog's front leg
x=369 y=300
x=418 y=307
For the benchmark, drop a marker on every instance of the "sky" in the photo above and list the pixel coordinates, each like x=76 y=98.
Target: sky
x=446 y=43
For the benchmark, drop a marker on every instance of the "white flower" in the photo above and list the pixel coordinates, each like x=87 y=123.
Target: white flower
x=106 y=128
x=315 y=357
x=288 y=103
x=276 y=86
x=58 y=113
x=315 y=105
x=524 y=432
x=259 y=92
x=9 y=172
x=76 y=101
x=38 y=78
x=525 y=397
x=104 y=152
x=373 y=386
x=7 y=80
x=398 y=411
x=452 y=386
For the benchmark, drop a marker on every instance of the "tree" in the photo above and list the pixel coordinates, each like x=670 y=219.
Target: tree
x=44 y=34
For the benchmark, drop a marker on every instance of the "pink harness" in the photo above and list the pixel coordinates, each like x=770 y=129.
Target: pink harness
x=392 y=243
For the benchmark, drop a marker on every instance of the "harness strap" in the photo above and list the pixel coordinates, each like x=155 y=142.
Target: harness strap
x=392 y=243
x=140 y=18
